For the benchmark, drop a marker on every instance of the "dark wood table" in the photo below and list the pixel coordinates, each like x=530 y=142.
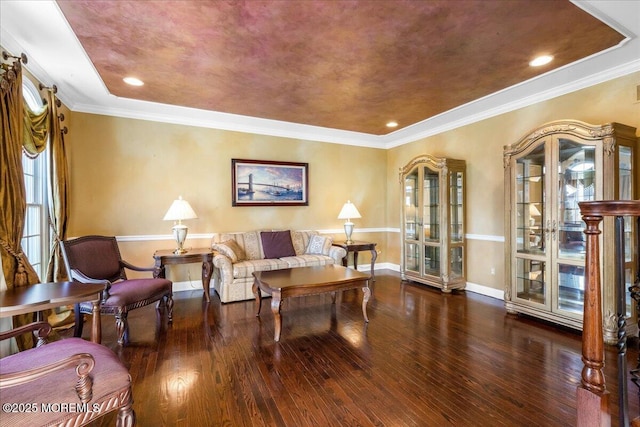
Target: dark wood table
x=43 y=296
x=204 y=255
x=295 y=282
x=355 y=247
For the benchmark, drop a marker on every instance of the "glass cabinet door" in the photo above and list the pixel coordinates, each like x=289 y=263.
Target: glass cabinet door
x=412 y=257
x=530 y=203
x=431 y=208
x=625 y=192
x=576 y=182
x=530 y=280
x=411 y=222
x=456 y=212
x=531 y=244
x=456 y=206
x=431 y=221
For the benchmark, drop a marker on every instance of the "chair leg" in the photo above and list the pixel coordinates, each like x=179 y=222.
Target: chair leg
x=79 y=317
x=122 y=328
x=170 y=307
x=126 y=417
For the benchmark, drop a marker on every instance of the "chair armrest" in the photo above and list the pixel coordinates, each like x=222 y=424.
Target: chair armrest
x=40 y=329
x=79 y=276
x=135 y=267
x=83 y=363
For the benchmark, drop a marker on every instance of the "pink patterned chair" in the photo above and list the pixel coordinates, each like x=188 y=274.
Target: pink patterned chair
x=96 y=259
x=69 y=382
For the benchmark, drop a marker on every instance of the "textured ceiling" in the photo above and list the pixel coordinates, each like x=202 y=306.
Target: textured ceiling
x=348 y=65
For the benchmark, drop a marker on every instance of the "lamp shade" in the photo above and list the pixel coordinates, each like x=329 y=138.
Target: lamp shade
x=349 y=211
x=534 y=211
x=180 y=209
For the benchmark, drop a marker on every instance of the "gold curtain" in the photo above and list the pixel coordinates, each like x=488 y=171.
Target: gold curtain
x=36 y=129
x=58 y=187
x=16 y=268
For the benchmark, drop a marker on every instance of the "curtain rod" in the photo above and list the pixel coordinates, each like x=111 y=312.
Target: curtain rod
x=23 y=57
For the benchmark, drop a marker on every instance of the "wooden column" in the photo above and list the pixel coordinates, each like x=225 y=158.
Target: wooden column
x=592 y=394
x=593 y=397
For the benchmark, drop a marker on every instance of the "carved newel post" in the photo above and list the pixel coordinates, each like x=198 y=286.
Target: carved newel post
x=592 y=395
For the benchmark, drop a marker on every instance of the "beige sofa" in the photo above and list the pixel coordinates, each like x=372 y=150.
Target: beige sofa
x=238 y=255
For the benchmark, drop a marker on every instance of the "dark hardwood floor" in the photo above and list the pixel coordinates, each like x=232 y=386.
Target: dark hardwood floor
x=425 y=359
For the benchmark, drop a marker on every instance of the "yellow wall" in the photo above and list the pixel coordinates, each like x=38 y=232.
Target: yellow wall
x=125 y=174
x=481 y=145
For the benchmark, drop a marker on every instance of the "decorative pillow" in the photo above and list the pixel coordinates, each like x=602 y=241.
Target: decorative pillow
x=319 y=245
x=277 y=244
x=299 y=243
x=230 y=249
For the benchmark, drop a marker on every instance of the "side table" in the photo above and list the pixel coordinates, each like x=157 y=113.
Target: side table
x=168 y=257
x=42 y=296
x=355 y=247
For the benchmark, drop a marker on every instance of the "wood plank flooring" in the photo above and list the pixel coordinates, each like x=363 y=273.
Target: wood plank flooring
x=425 y=359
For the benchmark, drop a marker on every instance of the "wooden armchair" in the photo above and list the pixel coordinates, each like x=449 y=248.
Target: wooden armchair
x=96 y=259
x=69 y=382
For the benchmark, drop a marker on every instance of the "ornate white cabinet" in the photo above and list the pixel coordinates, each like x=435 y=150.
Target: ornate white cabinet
x=547 y=173
x=432 y=223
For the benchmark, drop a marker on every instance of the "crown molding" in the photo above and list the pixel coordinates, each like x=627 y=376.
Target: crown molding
x=474 y=111
x=143 y=110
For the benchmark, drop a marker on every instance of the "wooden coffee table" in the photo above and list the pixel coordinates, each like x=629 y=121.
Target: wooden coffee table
x=295 y=282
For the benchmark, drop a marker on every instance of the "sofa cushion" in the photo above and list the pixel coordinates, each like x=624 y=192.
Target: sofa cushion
x=244 y=269
x=319 y=245
x=307 y=260
x=231 y=250
x=277 y=244
x=300 y=240
x=249 y=241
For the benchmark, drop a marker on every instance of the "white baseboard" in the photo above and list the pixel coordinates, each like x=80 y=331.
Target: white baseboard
x=190 y=285
x=471 y=287
x=485 y=290
x=366 y=268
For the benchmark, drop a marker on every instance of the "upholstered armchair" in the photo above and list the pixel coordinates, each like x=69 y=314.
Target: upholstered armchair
x=96 y=259
x=69 y=382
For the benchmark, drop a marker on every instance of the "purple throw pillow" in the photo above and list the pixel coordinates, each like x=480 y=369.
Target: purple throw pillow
x=277 y=244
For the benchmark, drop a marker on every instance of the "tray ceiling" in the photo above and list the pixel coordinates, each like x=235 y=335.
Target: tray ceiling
x=345 y=65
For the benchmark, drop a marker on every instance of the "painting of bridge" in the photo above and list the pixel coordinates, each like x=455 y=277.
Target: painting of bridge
x=269 y=183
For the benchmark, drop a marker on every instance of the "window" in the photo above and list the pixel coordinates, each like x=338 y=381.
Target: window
x=35 y=239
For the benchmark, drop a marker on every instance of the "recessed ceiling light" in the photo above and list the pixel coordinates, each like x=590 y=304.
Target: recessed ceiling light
x=392 y=124
x=133 y=81
x=541 y=60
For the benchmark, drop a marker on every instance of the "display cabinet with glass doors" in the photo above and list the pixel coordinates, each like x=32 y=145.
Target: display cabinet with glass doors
x=432 y=222
x=547 y=173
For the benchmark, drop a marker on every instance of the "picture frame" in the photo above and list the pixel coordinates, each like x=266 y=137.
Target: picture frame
x=269 y=183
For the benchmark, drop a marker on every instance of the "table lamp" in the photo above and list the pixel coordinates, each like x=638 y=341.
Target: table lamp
x=533 y=212
x=349 y=211
x=180 y=210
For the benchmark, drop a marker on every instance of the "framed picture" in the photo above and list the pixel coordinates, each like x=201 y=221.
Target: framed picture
x=268 y=183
